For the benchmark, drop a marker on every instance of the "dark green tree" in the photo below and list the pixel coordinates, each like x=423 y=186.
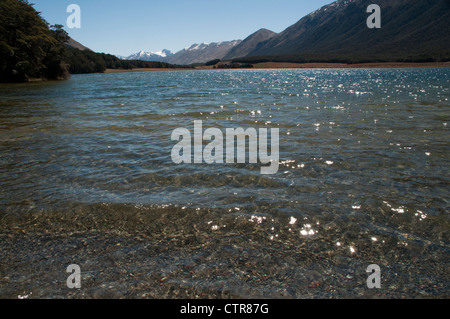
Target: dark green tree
x=29 y=47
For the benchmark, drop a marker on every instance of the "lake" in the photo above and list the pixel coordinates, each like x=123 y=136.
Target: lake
x=87 y=178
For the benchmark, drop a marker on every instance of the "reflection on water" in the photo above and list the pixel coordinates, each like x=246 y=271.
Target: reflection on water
x=87 y=178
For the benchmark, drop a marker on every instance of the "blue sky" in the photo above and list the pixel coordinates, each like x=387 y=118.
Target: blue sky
x=126 y=27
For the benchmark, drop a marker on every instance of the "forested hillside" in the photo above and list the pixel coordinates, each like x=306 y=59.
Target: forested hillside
x=411 y=30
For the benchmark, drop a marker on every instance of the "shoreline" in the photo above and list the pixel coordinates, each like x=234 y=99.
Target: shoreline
x=289 y=65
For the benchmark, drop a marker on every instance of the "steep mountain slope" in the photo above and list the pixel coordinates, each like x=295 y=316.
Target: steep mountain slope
x=71 y=43
x=249 y=44
x=409 y=28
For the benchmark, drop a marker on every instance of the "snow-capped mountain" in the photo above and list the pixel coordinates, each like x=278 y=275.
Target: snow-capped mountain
x=203 y=52
x=196 y=53
x=150 y=56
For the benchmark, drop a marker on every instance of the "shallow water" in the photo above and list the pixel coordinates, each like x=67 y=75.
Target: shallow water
x=87 y=178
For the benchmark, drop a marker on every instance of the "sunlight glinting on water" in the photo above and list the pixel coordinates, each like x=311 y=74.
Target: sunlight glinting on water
x=363 y=173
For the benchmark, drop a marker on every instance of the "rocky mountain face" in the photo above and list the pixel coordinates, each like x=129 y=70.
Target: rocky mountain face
x=201 y=53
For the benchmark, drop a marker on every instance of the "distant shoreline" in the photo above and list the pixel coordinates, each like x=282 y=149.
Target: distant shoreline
x=288 y=65
x=143 y=70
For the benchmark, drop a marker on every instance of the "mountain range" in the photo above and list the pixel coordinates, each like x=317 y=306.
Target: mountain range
x=201 y=53
x=196 y=53
x=411 y=29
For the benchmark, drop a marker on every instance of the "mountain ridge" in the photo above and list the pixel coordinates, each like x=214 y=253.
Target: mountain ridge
x=249 y=43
